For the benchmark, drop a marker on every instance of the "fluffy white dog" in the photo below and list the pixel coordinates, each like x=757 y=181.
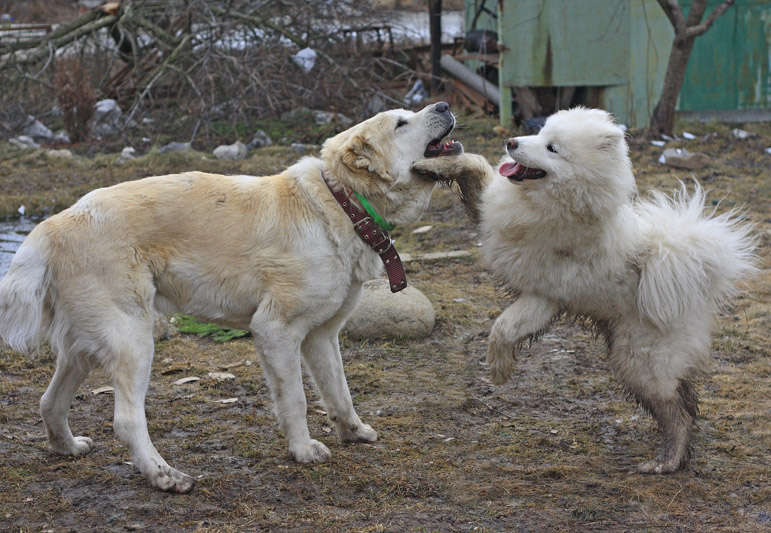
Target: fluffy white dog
x=563 y=229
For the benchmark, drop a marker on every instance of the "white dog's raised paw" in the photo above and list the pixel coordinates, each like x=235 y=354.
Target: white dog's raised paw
x=361 y=433
x=312 y=452
x=171 y=480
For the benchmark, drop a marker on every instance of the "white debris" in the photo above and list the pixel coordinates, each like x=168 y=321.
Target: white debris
x=658 y=143
x=190 y=379
x=102 y=390
x=305 y=59
x=421 y=229
x=689 y=136
x=221 y=376
x=740 y=134
x=22 y=210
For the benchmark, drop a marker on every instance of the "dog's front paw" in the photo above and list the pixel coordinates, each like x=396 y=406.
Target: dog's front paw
x=356 y=433
x=311 y=452
x=433 y=169
x=171 y=480
x=502 y=359
x=77 y=446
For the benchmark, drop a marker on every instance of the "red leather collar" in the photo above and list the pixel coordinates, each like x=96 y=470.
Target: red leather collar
x=372 y=235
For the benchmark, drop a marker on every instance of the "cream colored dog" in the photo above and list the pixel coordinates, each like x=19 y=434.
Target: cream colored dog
x=276 y=255
x=564 y=231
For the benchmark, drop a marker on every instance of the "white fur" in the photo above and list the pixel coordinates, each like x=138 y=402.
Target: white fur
x=276 y=255
x=650 y=274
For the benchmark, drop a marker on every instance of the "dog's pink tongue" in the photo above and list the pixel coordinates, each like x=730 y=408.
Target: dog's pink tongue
x=509 y=169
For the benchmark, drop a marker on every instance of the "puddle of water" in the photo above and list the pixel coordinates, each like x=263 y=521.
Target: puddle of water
x=12 y=234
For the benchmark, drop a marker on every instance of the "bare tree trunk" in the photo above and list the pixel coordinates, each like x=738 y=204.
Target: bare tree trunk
x=435 y=27
x=686 y=31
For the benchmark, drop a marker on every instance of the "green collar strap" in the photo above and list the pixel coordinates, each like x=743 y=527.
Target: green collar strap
x=380 y=221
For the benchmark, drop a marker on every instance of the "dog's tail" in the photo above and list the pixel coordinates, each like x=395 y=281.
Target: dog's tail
x=695 y=258
x=24 y=315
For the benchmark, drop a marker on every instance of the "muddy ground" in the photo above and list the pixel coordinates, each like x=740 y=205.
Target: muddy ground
x=553 y=450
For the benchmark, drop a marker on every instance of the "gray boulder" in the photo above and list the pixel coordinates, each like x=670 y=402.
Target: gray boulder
x=107 y=117
x=37 y=130
x=382 y=314
x=231 y=152
x=174 y=147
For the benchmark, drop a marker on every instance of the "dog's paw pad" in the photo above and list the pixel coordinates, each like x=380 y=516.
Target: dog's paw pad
x=313 y=452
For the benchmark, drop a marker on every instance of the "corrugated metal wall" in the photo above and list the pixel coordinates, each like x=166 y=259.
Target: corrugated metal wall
x=621 y=47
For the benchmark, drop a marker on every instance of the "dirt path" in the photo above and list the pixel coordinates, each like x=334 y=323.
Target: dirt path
x=550 y=451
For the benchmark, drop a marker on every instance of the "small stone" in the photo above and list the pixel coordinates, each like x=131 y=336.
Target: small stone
x=740 y=134
x=382 y=314
x=682 y=158
x=325 y=117
x=174 y=147
x=61 y=137
x=301 y=148
x=25 y=142
x=231 y=152
x=61 y=154
x=260 y=140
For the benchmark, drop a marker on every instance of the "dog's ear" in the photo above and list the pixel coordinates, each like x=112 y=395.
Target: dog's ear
x=611 y=138
x=360 y=155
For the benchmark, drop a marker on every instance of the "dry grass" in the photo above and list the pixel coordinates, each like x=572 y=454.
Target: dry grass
x=550 y=451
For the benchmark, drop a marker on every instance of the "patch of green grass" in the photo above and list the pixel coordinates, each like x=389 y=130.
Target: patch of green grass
x=190 y=326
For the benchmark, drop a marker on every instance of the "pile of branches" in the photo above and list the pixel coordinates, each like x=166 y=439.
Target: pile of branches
x=211 y=59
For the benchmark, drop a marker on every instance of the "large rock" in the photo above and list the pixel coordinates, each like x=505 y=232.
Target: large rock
x=107 y=117
x=37 y=130
x=231 y=152
x=382 y=314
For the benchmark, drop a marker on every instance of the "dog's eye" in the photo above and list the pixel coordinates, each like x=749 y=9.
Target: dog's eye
x=401 y=123
x=551 y=148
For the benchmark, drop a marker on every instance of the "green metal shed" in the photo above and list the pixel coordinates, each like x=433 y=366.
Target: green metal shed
x=618 y=51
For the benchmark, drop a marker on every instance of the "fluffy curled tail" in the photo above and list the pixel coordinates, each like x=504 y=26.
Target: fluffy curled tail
x=695 y=258
x=24 y=317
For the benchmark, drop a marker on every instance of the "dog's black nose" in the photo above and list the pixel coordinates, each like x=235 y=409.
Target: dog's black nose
x=511 y=144
x=441 y=107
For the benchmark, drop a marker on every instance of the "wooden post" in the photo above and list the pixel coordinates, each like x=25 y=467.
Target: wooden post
x=435 y=27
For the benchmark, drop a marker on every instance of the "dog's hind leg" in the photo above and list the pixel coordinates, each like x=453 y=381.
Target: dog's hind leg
x=525 y=319
x=663 y=388
x=130 y=364
x=55 y=404
x=321 y=353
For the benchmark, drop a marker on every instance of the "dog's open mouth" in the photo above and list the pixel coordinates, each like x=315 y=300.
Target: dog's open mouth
x=435 y=148
x=517 y=172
